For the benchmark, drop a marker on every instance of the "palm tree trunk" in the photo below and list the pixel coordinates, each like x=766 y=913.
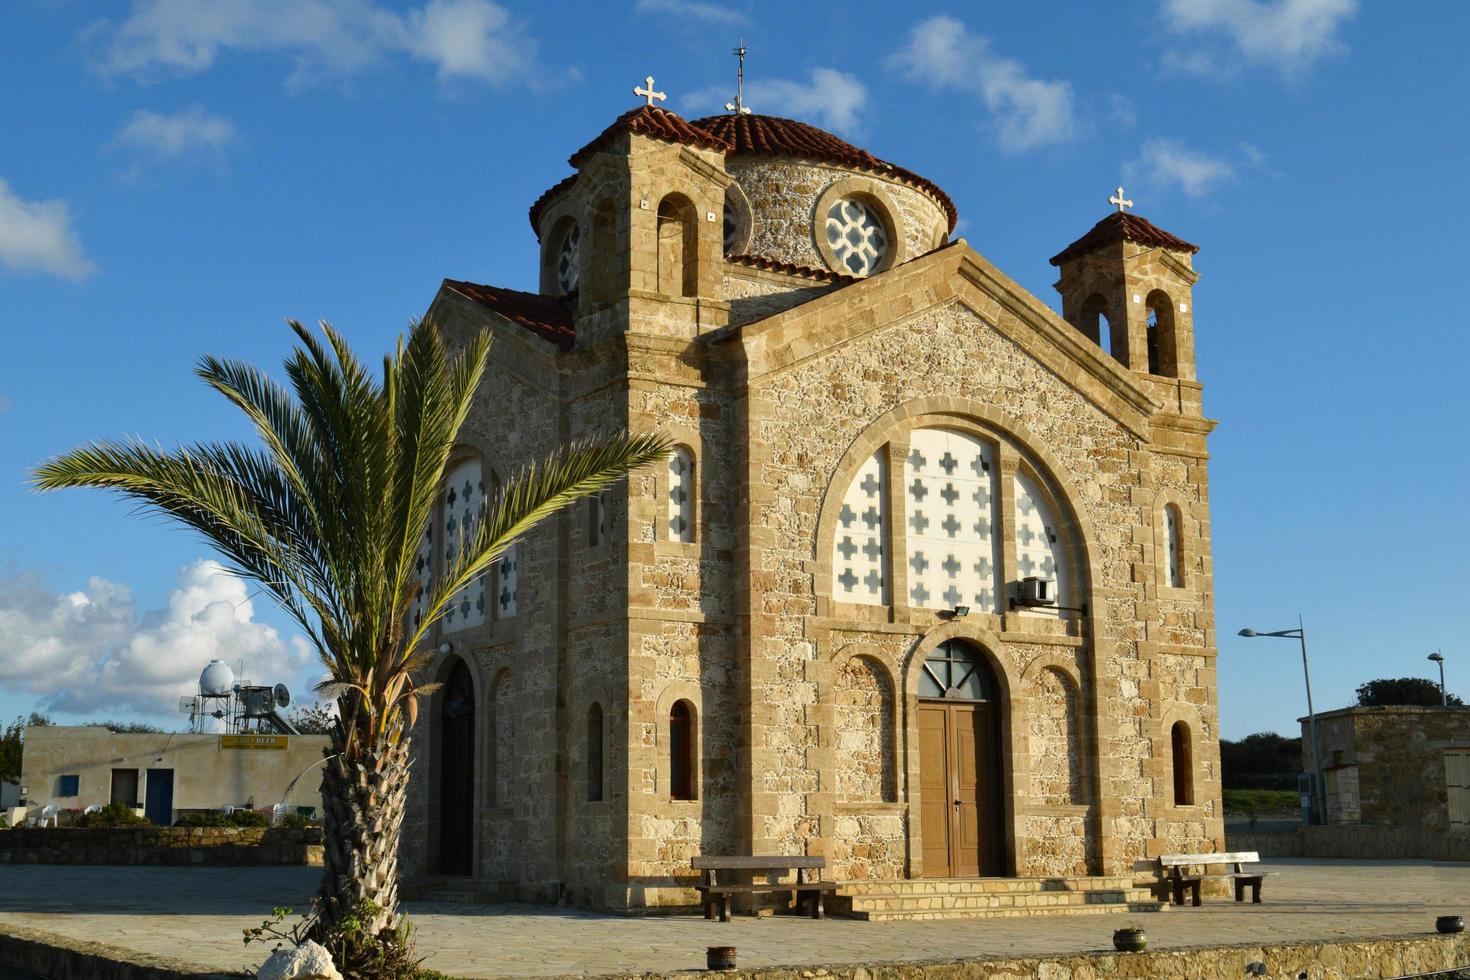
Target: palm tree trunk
x=363 y=804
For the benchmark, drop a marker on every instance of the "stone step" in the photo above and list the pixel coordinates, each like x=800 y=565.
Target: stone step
x=977 y=886
x=901 y=915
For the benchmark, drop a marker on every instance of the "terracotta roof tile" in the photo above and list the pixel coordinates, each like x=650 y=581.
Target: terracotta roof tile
x=654 y=122
x=1122 y=227
x=789 y=268
x=551 y=194
x=550 y=317
x=771 y=136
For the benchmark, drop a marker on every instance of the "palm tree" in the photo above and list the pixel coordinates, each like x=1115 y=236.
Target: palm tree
x=327 y=517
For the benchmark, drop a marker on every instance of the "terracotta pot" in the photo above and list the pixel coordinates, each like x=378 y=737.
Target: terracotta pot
x=1130 y=940
x=1450 y=923
x=720 y=957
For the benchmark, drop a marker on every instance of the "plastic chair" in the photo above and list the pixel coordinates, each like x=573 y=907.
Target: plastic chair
x=278 y=812
x=48 y=812
x=94 y=808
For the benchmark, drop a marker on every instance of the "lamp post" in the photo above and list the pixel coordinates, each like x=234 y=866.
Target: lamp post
x=1319 y=807
x=1438 y=658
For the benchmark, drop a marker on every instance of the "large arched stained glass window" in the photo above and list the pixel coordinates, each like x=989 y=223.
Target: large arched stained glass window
x=956 y=671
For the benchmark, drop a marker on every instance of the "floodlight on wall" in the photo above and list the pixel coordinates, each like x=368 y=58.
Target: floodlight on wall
x=960 y=612
x=1438 y=658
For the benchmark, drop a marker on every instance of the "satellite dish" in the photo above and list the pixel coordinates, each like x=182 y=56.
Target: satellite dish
x=282 y=694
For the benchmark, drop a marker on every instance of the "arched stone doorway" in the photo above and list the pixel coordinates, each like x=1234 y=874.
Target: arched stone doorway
x=457 y=772
x=961 y=805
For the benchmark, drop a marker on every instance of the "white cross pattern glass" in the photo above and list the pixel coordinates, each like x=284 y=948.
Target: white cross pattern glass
x=1039 y=549
x=860 y=545
x=463 y=504
x=953 y=549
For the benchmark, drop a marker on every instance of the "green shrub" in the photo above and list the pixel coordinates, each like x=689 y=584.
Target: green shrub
x=1244 y=801
x=112 y=815
x=240 y=818
x=299 y=821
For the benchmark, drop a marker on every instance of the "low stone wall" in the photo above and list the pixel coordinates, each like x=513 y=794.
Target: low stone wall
x=1267 y=845
x=50 y=955
x=1358 y=842
x=200 y=846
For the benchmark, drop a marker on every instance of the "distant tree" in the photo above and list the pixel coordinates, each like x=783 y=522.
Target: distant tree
x=12 y=743
x=1264 y=760
x=314 y=719
x=1400 y=691
x=125 y=727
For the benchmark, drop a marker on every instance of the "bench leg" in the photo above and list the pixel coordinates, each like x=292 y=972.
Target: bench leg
x=1256 y=892
x=1240 y=889
x=724 y=908
x=1195 y=886
x=709 y=907
x=817 y=904
x=1178 y=887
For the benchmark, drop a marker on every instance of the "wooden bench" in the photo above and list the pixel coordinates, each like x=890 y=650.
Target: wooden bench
x=714 y=892
x=1177 y=872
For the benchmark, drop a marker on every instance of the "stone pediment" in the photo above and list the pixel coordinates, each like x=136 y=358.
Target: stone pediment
x=955 y=273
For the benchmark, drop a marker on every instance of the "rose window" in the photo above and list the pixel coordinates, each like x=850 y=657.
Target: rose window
x=857 y=236
x=566 y=263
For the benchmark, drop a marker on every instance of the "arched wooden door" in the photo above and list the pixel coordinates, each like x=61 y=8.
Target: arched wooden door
x=960 y=801
x=457 y=773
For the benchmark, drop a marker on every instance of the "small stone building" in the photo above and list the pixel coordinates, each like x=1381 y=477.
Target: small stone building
x=1396 y=780
x=925 y=587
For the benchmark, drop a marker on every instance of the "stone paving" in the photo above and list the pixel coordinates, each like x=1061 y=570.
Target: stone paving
x=196 y=915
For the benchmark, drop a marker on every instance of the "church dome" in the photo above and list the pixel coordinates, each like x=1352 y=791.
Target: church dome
x=809 y=198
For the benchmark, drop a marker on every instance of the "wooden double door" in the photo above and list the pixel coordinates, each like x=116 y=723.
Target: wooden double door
x=961 y=812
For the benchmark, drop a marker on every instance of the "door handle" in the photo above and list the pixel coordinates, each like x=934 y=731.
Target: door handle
x=957 y=802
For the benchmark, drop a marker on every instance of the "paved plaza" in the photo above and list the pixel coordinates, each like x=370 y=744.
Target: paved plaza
x=195 y=915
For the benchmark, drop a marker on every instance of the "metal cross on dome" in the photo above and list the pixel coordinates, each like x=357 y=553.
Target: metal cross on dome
x=647 y=92
x=1120 y=200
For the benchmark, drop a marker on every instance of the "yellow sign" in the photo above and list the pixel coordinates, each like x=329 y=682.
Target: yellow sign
x=252 y=741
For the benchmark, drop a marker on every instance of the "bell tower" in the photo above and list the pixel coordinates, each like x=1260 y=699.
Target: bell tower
x=1127 y=285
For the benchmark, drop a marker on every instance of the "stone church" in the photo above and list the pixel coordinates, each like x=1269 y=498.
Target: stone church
x=924 y=589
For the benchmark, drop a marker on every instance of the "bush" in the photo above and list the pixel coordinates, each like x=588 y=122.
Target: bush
x=1238 y=801
x=298 y=821
x=240 y=818
x=112 y=815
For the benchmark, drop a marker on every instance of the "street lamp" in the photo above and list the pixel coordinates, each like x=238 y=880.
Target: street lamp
x=1438 y=658
x=1319 y=807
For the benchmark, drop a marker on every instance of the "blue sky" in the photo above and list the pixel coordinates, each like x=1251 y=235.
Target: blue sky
x=181 y=176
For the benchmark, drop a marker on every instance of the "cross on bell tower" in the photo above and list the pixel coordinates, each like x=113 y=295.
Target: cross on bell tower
x=1118 y=199
x=647 y=91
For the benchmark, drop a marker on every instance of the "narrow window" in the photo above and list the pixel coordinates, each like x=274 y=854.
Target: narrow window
x=1098 y=327
x=597 y=519
x=677 y=247
x=860 y=545
x=681 y=751
x=69 y=785
x=594 y=753
x=681 y=495
x=1183 y=765
x=462 y=508
x=1173 y=547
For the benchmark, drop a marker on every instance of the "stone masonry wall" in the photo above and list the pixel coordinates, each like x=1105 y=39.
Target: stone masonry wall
x=783 y=195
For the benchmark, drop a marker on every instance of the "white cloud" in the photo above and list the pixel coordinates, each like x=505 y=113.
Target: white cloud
x=690 y=10
x=167 y=136
x=473 y=39
x=36 y=236
x=90 y=652
x=1288 y=35
x=828 y=98
x=1026 y=112
x=5 y=404
x=1167 y=163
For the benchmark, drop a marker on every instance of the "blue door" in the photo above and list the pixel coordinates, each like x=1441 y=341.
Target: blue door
x=158 y=804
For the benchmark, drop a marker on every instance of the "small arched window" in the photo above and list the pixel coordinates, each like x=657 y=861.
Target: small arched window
x=462 y=508
x=681 y=751
x=677 y=247
x=594 y=753
x=1162 y=356
x=1041 y=551
x=597 y=519
x=681 y=495
x=1173 y=547
x=1183 y=753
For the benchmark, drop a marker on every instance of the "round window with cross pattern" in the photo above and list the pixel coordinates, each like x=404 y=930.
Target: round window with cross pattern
x=858 y=236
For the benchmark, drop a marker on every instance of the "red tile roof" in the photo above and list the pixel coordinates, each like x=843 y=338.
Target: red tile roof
x=549 y=317
x=1122 y=227
x=654 y=122
x=771 y=136
x=551 y=194
x=789 y=268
